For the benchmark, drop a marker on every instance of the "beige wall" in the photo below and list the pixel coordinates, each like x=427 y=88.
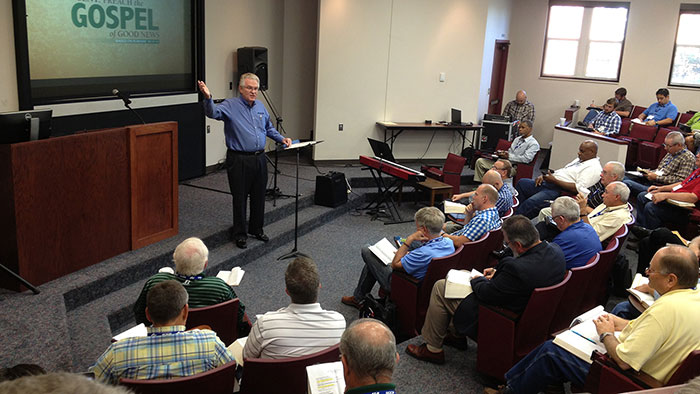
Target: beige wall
x=8 y=72
x=381 y=60
x=646 y=62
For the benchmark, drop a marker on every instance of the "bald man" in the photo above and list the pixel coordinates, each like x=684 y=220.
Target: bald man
x=505 y=196
x=520 y=109
x=368 y=353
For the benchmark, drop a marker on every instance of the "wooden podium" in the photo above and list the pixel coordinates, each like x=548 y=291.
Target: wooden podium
x=69 y=202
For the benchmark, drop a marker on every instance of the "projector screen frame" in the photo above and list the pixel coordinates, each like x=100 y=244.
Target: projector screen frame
x=24 y=84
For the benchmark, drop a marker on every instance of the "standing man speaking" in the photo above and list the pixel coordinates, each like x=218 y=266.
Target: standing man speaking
x=246 y=123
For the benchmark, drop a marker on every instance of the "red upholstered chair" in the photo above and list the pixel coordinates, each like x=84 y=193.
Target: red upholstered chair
x=596 y=293
x=216 y=381
x=682 y=119
x=516 y=202
x=451 y=172
x=504 y=338
x=605 y=377
x=288 y=375
x=636 y=111
x=569 y=307
x=627 y=122
x=474 y=254
x=412 y=296
x=222 y=318
x=638 y=133
x=500 y=145
x=525 y=170
x=650 y=153
x=494 y=243
x=508 y=214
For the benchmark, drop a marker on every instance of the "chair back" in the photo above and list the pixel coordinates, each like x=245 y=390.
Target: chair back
x=622 y=233
x=503 y=144
x=649 y=154
x=268 y=376
x=596 y=293
x=494 y=243
x=525 y=170
x=637 y=110
x=603 y=378
x=437 y=269
x=222 y=318
x=533 y=327
x=516 y=202
x=508 y=214
x=474 y=253
x=684 y=118
x=569 y=307
x=689 y=368
x=643 y=132
x=661 y=135
x=452 y=171
x=216 y=381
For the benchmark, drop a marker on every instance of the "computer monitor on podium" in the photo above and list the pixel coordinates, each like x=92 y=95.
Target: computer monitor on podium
x=22 y=126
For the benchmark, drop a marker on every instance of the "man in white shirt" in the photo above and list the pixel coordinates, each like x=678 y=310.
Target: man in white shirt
x=302 y=327
x=522 y=150
x=575 y=177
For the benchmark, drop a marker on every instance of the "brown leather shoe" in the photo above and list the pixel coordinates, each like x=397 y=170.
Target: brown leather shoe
x=350 y=300
x=422 y=353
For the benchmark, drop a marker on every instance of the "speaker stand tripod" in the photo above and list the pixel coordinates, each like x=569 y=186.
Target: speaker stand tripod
x=275 y=191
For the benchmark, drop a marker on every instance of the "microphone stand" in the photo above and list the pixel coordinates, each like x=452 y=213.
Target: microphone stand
x=275 y=191
x=126 y=104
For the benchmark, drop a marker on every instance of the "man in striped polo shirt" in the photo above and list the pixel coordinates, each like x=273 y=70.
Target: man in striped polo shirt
x=301 y=328
x=190 y=258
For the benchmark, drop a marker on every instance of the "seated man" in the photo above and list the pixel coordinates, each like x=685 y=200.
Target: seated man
x=505 y=197
x=481 y=216
x=612 y=171
x=578 y=240
x=651 y=212
x=504 y=168
x=675 y=166
x=623 y=107
x=429 y=221
x=576 y=176
x=655 y=343
x=168 y=351
x=662 y=112
x=625 y=309
x=520 y=109
x=607 y=121
x=368 y=353
x=522 y=150
x=191 y=257
x=302 y=327
x=612 y=214
x=536 y=264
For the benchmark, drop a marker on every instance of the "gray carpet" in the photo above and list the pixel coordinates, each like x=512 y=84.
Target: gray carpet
x=70 y=323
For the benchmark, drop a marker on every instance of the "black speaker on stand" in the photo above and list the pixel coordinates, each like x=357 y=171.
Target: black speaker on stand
x=253 y=60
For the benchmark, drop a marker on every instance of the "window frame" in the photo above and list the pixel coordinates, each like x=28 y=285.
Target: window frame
x=685 y=8
x=585 y=4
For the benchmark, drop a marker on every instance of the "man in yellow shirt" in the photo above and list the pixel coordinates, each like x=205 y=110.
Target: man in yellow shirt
x=655 y=343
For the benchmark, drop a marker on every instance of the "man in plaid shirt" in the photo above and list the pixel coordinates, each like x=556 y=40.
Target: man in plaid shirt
x=678 y=163
x=520 y=109
x=168 y=351
x=608 y=121
x=481 y=216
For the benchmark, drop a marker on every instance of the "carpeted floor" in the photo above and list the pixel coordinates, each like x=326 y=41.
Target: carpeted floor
x=70 y=323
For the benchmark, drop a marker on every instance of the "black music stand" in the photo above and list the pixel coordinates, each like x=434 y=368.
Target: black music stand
x=295 y=253
x=20 y=279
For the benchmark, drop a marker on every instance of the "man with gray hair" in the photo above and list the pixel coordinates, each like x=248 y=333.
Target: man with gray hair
x=429 y=222
x=612 y=214
x=246 y=124
x=191 y=257
x=578 y=240
x=534 y=264
x=368 y=353
x=168 y=351
x=302 y=327
x=675 y=166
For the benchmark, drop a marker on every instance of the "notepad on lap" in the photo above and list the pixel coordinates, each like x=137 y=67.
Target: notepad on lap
x=581 y=339
x=458 y=283
x=384 y=251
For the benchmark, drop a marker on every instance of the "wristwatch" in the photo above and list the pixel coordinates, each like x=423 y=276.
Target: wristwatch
x=603 y=335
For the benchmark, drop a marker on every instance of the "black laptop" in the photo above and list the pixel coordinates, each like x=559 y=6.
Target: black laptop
x=455 y=117
x=381 y=150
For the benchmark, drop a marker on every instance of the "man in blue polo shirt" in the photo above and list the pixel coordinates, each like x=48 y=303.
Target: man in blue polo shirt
x=577 y=239
x=662 y=112
x=429 y=221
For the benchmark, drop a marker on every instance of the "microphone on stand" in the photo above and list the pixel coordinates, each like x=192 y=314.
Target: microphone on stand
x=125 y=99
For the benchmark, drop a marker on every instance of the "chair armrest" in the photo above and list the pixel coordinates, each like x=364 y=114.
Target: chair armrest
x=641 y=378
x=502 y=311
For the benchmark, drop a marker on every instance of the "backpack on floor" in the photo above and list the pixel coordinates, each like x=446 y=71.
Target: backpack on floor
x=381 y=309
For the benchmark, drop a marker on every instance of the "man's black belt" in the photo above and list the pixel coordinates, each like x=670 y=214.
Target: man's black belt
x=236 y=152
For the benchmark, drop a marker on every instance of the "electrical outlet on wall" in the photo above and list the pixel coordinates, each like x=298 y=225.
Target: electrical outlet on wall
x=340 y=127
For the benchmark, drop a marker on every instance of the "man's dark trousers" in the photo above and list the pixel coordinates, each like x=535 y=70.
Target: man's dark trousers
x=247 y=175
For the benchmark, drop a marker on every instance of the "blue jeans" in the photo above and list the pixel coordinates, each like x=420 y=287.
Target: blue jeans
x=374 y=271
x=533 y=197
x=547 y=364
x=590 y=116
x=625 y=310
x=652 y=216
x=636 y=187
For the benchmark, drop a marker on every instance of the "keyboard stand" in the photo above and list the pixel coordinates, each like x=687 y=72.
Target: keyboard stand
x=384 y=198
